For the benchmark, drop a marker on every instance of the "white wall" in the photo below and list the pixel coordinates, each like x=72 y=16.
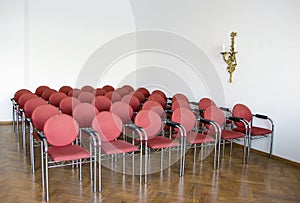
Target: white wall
x=53 y=40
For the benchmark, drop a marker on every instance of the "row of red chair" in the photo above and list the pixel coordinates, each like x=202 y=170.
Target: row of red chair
x=104 y=113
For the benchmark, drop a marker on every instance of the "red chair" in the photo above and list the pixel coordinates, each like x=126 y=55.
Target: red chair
x=205 y=102
x=38 y=118
x=102 y=103
x=160 y=99
x=154 y=106
x=67 y=104
x=109 y=127
x=74 y=92
x=151 y=124
x=108 y=88
x=122 y=91
x=86 y=97
x=56 y=97
x=138 y=94
x=128 y=87
x=39 y=90
x=87 y=88
x=113 y=96
x=180 y=97
x=244 y=113
x=29 y=107
x=144 y=91
x=59 y=148
x=187 y=119
x=84 y=114
x=65 y=89
x=123 y=110
x=99 y=92
x=133 y=101
x=47 y=93
x=216 y=114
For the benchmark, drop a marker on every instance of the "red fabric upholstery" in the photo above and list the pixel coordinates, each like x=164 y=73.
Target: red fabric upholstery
x=213 y=113
x=61 y=130
x=108 y=88
x=31 y=104
x=128 y=87
x=39 y=90
x=141 y=97
x=145 y=91
x=87 y=88
x=133 y=101
x=65 y=89
x=159 y=92
x=198 y=138
x=24 y=98
x=86 y=97
x=159 y=142
x=84 y=114
x=259 y=131
x=123 y=110
x=108 y=125
x=67 y=104
x=67 y=153
x=113 y=96
x=56 y=97
x=179 y=97
x=205 y=102
x=122 y=91
x=74 y=92
x=117 y=147
x=241 y=111
x=41 y=114
x=47 y=93
x=150 y=121
x=99 y=92
x=179 y=104
x=19 y=93
x=158 y=98
x=185 y=117
x=154 y=106
x=229 y=134
x=102 y=103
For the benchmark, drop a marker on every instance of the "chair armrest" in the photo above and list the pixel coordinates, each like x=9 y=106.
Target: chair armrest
x=198 y=110
x=93 y=134
x=260 y=116
x=194 y=103
x=138 y=129
x=237 y=119
x=225 y=109
x=172 y=124
x=205 y=121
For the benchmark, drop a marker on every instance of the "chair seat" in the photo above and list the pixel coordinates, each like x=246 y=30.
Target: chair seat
x=198 y=138
x=67 y=153
x=229 y=134
x=161 y=142
x=255 y=131
x=117 y=147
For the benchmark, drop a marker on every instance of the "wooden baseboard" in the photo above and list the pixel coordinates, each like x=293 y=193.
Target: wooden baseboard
x=6 y=122
x=296 y=164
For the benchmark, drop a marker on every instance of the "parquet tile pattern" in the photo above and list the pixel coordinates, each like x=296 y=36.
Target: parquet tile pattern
x=263 y=180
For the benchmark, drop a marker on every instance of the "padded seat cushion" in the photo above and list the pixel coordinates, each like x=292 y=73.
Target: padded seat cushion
x=67 y=153
x=159 y=142
x=117 y=147
x=198 y=138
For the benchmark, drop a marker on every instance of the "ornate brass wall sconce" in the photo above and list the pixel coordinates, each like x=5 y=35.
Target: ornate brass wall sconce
x=229 y=56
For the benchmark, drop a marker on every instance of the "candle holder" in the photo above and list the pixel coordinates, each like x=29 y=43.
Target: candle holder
x=229 y=56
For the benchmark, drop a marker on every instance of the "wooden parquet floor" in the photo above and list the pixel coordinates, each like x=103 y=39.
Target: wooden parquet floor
x=263 y=180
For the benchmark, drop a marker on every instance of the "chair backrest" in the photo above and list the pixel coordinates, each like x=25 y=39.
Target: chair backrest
x=19 y=93
x=102 y=103
x=154 y=106
x=122 y=91
x=99 y=92
x=205 y=102
x=65 y=89
x=123 y=110
x=185 y=117
x=214 y=113
x=107 y=125
x=241 y=111
x=179 y=96
x=41 y=114
x=24 y=98
x=67 y=104
x=56 y=97
x=86 y=97
x=141 y=97
x=61 y=130
x=87 y=88
x=128 y=87
x=31 y=104
x=84 y=114
x=39 y=90
x=179 y=104
x=108 y=88
x=144 y=91
x=74 y=92
x=47 y=93
x=159 y=92
x=150 y=121
x=133 y=101
x=113 y=96
x=157 y=97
